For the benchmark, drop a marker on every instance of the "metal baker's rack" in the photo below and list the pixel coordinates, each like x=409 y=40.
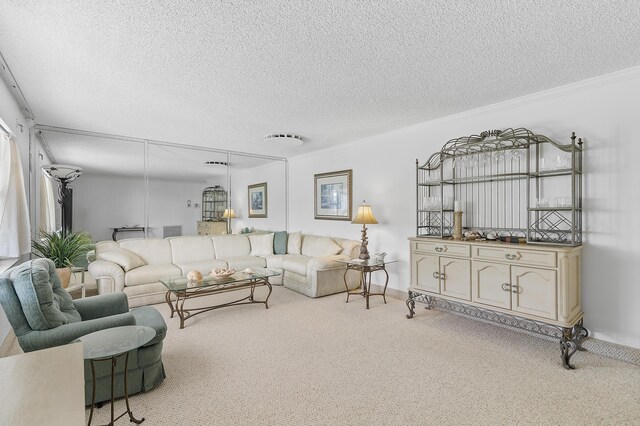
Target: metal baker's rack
x=512 y=183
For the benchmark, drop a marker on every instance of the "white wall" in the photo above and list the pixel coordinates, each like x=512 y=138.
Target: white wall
x=11 y=114
x=274 y=175
x=103 y=202
x=603 y=111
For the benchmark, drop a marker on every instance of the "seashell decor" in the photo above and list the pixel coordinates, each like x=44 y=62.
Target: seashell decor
x=194 y=276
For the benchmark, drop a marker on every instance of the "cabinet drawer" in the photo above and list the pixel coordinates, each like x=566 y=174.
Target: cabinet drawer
x=516 y=255
x=439 y=247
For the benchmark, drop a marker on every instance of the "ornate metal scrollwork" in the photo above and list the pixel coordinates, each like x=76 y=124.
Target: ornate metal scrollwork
x=570 y=338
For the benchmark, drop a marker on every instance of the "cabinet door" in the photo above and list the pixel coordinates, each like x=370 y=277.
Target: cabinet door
x=219 y=228
x=490 y=284
x=455 y=276
x=534 y=291
x=424 y=268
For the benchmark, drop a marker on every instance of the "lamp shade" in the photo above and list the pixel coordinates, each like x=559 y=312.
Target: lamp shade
x=229 y=214
x=364 y=215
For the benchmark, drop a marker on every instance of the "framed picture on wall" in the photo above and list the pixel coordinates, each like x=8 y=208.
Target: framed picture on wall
x=258 y=200
x=333 y=195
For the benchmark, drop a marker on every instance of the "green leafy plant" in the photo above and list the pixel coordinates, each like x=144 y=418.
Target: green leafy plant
x=64 y=250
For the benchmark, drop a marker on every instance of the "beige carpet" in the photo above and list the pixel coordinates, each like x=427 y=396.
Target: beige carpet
x=323 y=362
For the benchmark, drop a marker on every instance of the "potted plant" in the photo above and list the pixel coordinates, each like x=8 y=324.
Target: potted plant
x=64 y=249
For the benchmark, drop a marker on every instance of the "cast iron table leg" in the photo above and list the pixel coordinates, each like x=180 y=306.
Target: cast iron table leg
x=167 y=297
x=126 y=394
x=345 y=283
x=366 y=285
x=93 y=392
x=386 y=282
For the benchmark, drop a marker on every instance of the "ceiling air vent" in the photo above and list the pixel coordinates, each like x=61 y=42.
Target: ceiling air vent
x=284 y=139
x=215 y=163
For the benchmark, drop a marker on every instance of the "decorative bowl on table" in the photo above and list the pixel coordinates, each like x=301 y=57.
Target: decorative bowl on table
x=219 y=274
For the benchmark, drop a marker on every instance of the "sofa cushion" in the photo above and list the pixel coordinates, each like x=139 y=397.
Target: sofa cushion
x=126 y=259
x=296 y=263
x=261 y=244
x=44 y=302
x=327 y=262
x=348 y=246
x=275 y=261
x=280 y=242
x=319 y=246
x=242 y=262
x=292 y=276
x=294 y=242
x=154 y=251
x=227 y=246
x=151 y=273
x=106 y=246
x=191 y=249
x=149 y=316
x=204 y=266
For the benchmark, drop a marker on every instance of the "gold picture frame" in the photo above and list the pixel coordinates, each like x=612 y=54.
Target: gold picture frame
x=257 y=197
x=333 y=197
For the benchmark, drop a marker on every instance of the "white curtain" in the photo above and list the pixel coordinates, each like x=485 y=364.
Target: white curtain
x=15 y=232
x=47 y=204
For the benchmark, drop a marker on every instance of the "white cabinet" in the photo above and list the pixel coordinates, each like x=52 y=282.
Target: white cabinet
x=436 y=270
x=206 y=227
x=521 y=289
x=534 y=291
x=540 y=283
x=491 y=284
x=424 y=273
x=455 y=278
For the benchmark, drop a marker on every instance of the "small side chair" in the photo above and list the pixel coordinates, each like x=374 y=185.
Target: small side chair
x=43 y=315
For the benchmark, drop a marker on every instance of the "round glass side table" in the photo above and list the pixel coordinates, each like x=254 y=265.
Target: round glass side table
x=108 y=345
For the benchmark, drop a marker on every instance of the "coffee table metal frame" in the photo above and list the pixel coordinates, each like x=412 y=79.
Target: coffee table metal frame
x=211 y=286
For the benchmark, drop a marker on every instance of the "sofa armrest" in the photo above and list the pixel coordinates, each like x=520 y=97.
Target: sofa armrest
x=112 y=272
x=102 y=306
x=326 y=262
x=67 y=333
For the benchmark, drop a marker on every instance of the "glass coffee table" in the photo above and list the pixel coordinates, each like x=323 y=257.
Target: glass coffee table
x=366 y=267
x=108 y=345
x=181 y=289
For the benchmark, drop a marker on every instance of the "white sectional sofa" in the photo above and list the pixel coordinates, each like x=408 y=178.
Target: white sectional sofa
x=135 y=266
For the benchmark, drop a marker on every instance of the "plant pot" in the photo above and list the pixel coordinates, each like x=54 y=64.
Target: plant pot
x=65 y=276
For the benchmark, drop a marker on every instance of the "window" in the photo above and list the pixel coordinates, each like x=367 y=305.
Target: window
x=15 y=232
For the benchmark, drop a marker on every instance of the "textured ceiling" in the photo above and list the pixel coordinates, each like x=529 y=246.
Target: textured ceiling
x=225 y=73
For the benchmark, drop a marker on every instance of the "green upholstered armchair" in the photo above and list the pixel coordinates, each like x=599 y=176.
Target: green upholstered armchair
x=43 y=315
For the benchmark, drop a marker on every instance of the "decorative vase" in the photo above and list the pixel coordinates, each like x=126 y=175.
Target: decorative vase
x=65 y=276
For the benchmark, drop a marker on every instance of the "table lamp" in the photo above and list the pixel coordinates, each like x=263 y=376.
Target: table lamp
x=365 y=217
x=229 y=214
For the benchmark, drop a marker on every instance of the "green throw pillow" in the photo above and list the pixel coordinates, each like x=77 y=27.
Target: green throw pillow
x=280 y=242
x=44 y=302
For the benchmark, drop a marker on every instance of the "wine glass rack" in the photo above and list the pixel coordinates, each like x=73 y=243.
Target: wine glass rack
x=511 y=183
